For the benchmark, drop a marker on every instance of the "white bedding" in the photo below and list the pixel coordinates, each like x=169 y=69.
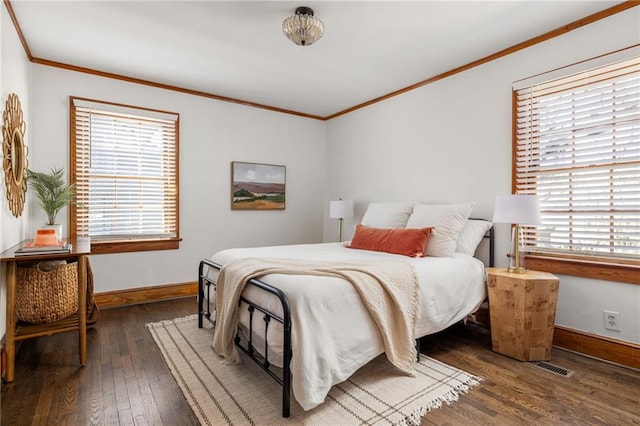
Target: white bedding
x=332 y=333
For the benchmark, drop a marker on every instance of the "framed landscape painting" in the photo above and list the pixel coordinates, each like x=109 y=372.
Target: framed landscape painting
x=257 y=186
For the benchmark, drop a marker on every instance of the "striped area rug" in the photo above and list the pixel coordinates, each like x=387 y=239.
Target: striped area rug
x=244 y=394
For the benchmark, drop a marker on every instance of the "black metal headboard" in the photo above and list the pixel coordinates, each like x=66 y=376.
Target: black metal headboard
x=492 y=241
x=490 y=235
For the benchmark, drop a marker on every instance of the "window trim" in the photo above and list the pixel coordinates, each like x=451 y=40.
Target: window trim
x=123 y=245
x=594 y=267
x=610 y=270
x=126 y=246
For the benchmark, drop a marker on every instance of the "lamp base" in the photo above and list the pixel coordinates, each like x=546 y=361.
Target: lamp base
x=516 y=260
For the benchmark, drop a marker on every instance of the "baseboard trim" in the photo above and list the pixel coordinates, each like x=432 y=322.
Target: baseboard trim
x=601 y=347
x=616 y=351
x=133 y=296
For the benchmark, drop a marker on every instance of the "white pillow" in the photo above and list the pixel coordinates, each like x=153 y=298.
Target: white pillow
x=471 y=235
x=387 y=215
x=447 y=220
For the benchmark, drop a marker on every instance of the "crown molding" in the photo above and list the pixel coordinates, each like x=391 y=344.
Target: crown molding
x=509 y=50
x=157 y=85
x=16 y=25
x=627 y=4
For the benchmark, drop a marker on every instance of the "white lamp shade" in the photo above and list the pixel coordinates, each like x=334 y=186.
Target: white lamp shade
x=518 y=209
x=340 y=209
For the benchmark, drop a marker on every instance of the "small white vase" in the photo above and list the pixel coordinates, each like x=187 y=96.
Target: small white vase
x=57 y=227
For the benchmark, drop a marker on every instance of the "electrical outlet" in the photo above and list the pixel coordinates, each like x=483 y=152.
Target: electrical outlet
x=612 y=320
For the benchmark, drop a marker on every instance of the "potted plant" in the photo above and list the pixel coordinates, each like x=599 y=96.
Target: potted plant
x=53 y=194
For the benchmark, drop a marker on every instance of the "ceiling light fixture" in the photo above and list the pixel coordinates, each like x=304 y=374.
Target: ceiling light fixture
x=303 y=28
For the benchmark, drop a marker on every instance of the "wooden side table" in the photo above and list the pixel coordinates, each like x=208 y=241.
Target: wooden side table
x=522 y=310
x=17 y=330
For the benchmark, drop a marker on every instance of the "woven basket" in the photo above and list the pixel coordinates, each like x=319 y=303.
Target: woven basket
x=47 y=292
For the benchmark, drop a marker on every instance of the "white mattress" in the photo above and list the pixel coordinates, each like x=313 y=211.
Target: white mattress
x=332 y=333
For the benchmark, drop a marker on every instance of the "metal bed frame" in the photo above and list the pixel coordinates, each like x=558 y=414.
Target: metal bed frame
x=283 y=377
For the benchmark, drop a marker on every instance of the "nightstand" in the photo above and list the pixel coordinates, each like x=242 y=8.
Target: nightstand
x=522 y=311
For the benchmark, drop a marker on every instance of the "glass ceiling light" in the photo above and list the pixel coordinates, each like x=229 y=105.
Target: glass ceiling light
x=303 y=28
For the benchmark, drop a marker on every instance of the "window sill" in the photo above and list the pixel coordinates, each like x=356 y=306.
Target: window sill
x=602 y=270
x=126 y=246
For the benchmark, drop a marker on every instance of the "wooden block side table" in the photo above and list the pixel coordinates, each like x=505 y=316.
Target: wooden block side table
x=522 y=310
x=17 y=330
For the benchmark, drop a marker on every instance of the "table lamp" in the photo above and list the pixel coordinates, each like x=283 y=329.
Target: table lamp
x=516 y=209
x=340 y=210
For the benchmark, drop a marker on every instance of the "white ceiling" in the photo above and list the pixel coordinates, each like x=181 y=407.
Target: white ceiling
x=236 y=48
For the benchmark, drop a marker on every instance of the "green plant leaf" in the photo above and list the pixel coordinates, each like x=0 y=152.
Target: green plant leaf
x=52 y=191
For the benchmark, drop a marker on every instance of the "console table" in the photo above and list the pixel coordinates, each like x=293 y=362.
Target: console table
x=18 y=330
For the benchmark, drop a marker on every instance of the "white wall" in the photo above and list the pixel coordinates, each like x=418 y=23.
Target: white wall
x=14 y=78
x=450 y=141
x=212 y=134
x=446 y=142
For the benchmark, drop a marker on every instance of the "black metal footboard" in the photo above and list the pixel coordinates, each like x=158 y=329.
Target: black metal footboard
x=205 y=284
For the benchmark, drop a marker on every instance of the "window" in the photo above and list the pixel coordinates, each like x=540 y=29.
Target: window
x=124 y=162
x=577 y=146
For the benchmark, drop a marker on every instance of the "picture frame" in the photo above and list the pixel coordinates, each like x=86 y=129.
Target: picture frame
x=256 y=186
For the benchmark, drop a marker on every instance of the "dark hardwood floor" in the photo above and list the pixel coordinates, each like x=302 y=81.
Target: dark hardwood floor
x=517 y=393
x=127 y=382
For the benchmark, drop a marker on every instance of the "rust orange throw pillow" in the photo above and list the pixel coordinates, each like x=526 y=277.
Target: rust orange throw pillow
x=408 y=242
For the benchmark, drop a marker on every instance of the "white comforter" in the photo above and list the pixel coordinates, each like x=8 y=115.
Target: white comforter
x=332 y=333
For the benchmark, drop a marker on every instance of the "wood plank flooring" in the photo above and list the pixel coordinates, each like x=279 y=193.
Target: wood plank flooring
x=127 y=382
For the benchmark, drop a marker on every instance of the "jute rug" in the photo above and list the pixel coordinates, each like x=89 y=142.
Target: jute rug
x=220 y=393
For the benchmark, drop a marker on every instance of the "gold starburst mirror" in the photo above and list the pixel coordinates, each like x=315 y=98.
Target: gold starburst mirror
x=14 y=151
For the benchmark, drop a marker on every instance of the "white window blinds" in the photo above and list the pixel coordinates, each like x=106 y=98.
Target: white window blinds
x=578 y=148
x=125 y=172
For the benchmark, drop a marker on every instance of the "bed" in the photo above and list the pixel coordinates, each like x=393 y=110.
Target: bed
x=310 y=339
